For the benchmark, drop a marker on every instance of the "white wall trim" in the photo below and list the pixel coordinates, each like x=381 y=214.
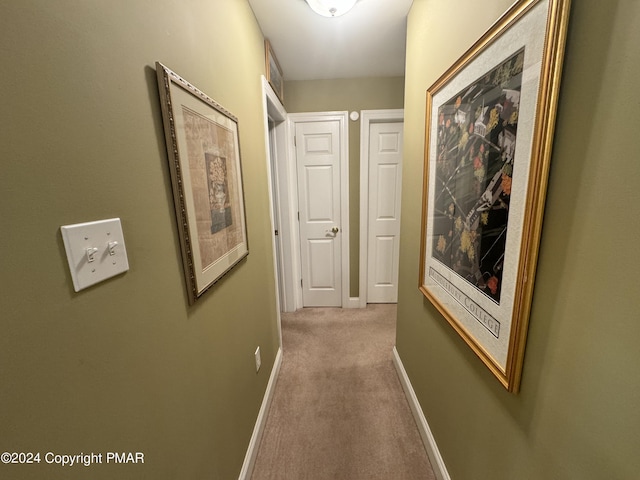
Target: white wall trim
x=271 y=108
x=343 y=119
x=258 y=429
x=274 y=110
x=292 y=186
x=437 y=463
x=354 y=302
x=367 y=117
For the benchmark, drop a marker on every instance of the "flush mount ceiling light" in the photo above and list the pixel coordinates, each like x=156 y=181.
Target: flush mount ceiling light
x=331 y=8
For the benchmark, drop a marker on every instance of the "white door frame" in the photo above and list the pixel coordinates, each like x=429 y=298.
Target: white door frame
x=342 y=118
x=276 y=157
x=367 y=118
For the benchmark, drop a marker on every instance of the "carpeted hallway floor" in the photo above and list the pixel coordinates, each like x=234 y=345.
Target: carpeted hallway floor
x=338 y=410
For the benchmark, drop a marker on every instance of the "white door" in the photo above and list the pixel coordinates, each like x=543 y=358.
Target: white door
x=318 y=165
x=385 y=183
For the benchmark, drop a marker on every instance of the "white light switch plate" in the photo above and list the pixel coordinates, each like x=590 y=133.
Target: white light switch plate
x=95 y=251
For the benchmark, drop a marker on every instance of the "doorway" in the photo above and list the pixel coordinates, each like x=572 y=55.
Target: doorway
x=282 y=199
x=290 y=211
x=381 y=144
x=321 y=158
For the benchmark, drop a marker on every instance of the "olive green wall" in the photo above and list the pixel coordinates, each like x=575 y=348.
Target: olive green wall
x=125 y=365
x=577 y=415
x=347 y=94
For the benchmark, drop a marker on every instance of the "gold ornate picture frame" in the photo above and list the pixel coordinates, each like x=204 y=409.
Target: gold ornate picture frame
x=204 y=158
x=489 y=133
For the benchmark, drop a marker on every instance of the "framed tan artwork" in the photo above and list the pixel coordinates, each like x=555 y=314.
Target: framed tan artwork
x=204 y=158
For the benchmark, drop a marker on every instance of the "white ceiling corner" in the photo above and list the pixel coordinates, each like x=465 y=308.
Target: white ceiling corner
x=368 y=41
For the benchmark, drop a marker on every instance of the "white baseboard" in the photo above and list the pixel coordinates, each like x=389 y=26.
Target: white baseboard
x=354 y=302
x=254 y=443
x=437 y=463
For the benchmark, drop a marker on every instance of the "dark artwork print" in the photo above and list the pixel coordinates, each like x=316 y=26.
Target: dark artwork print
x=218 y=192
x=476 y=140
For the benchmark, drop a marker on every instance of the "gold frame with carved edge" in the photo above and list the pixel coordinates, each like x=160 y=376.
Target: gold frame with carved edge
x=443 y=290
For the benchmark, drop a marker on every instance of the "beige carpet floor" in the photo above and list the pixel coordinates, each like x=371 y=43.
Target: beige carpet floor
x=338 y=410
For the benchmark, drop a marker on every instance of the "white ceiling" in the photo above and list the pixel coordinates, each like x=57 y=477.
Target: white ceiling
x=367 y=41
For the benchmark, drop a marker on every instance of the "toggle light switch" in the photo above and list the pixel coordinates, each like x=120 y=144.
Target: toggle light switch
x=112 y=248
x=95 y=251
x=91 y=254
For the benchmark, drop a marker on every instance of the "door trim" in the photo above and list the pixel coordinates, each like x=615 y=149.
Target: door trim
x=273 y=108
x=342 y=118
x=367 y=118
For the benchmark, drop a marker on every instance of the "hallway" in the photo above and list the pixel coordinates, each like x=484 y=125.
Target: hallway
x=338 y=410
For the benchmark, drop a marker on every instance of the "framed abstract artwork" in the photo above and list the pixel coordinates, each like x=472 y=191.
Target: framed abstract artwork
x=204 y=158
x=489 y=132
x=274 y=72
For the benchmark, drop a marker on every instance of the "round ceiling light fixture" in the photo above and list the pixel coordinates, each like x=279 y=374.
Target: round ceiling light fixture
x=331 y=8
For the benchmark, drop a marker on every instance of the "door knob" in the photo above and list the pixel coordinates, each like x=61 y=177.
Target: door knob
x=335 y=229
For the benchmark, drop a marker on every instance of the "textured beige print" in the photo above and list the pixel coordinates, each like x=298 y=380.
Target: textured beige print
x=214 y=181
